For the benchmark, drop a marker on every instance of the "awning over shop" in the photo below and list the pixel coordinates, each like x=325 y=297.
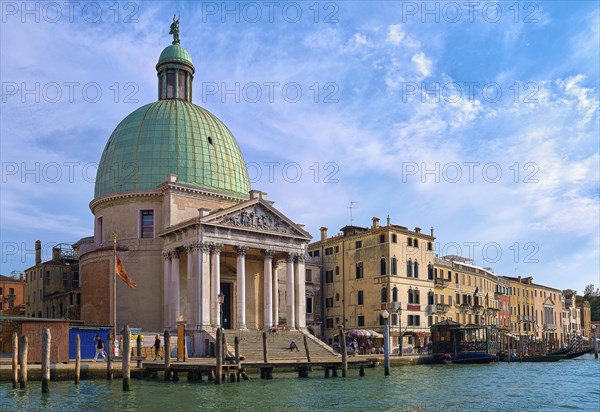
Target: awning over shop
x=366 y=333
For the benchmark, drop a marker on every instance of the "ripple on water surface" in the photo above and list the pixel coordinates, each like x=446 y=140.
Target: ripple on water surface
x=564 y=385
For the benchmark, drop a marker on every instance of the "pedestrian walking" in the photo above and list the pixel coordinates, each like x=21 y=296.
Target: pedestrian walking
x=99 y=348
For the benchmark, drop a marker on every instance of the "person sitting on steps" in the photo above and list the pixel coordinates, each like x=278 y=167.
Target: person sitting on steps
x=293 y=346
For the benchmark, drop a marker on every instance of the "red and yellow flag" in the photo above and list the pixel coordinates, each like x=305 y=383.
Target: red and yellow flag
x=122 y=273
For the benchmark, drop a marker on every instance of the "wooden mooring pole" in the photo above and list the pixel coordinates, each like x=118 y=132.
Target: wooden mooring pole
x=126 y=362
x=77 y=359
x=109 y=358
x=167 y=356
x=15 y=360
x=138 y=343
x=219 y=357
x=46 y=340
x=344 y=354
x=23 y=362
x=265 y=350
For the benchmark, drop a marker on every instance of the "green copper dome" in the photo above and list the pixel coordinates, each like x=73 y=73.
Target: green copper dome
x=171 y=136
x=175 y=53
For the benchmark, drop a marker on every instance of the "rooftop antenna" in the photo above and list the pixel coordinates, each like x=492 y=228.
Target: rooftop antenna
x=352 y=207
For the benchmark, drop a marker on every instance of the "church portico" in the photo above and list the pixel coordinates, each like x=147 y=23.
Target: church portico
x=229 y=247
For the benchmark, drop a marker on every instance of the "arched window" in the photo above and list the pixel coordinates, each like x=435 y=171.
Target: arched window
x=410 y=241
x=416 y=298
x=429 y=246
x=382 y=267
x=416 y=242
x=430 y=271
x=409 y=269
x=394 y=266
x=359 y=270
x=430 y=298
x=395 y=294
x=394 y=238
x=416 y=274
x=384 y=297
x=411 y=296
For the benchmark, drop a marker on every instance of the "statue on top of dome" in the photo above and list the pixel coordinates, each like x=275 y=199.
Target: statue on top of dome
x=175 y=30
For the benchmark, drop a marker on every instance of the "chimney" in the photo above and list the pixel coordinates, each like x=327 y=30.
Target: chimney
x=21 y=278
x=519 y=277
x=38 y=252
x=417 y=229
x=323 y=233
x=431 y=231
x=375 y=223
x=56 y=254
x=388 y=220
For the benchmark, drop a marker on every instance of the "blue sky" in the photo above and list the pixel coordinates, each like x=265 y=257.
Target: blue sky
x=481 y=121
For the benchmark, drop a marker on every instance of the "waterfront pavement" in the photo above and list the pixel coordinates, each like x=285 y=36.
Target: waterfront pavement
x=97 y=370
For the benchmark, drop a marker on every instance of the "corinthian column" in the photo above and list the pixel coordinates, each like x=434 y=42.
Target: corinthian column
x=166 y=289
x=300 y=270
x=175 y=287
x=268 y=289
x=241 y=287
x=203 y=279
x=291 y=318
x=215 y=283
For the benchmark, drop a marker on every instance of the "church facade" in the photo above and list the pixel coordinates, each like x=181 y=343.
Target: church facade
x=203 y=249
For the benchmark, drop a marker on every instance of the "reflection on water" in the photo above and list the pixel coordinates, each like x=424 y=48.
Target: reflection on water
x=564 y=385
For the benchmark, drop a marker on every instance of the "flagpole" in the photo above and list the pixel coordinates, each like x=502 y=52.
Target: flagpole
x=114 y=292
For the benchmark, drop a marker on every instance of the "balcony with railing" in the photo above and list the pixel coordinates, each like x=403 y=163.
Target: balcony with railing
x=441 y=283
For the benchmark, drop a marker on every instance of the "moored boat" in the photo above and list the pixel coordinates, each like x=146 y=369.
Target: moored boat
x=573 y=355
x=541 y=358
x=562 y=351
x=471 y=358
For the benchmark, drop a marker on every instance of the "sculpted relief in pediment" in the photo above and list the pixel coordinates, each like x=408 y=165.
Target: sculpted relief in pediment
x=256 y=218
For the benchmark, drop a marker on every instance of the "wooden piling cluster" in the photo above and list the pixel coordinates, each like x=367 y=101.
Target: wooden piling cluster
x=218 y=372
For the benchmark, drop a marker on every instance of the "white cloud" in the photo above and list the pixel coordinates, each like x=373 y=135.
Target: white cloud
x=422 y=64
x=397 y=36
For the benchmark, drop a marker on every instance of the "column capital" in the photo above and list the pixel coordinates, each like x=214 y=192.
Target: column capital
x=191 y=248
x=268 y=253
x=301 y=258
x=241 y=250
x=289 y=257
x=174 y=253
x=215 y=248
x=166 y=254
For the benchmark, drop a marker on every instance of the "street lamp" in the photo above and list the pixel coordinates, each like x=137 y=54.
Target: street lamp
x=386 y=342
x=221 y=299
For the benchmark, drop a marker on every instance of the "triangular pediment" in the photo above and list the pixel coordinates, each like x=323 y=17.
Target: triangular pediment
x=549 y=301
x=256 y=215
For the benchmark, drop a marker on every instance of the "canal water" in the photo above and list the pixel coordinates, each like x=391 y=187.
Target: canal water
x=564 y=385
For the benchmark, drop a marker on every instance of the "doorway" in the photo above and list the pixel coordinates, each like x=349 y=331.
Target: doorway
x=226 y=319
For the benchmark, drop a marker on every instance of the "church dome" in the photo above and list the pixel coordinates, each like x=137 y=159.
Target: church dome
x=172 y=136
